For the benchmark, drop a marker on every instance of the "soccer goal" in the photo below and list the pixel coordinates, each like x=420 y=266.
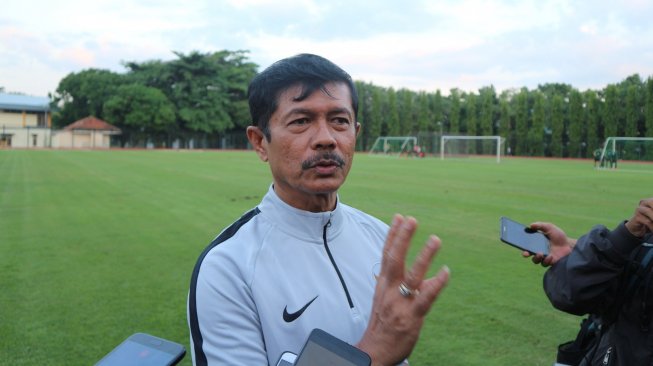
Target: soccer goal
x=465 y=146
x=627 y=152
x=394 y=145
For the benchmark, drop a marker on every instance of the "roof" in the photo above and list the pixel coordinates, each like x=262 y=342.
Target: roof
x=91 y=123
x=21 y=102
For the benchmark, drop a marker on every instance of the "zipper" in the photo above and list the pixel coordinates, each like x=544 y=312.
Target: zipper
x=333 y=262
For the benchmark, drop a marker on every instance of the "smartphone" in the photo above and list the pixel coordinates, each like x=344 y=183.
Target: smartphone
x=141 y=349
x=323 y=349
x=287 y=359
x=520 y=236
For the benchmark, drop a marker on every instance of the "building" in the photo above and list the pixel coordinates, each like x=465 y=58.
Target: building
x=87 y=133
x=24 y=121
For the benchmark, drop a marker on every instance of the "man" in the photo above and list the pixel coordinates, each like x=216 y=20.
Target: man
x=602 y=273
x=302 y=259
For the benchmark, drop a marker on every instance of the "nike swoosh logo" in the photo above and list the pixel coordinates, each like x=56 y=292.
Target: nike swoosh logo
x=290 y=317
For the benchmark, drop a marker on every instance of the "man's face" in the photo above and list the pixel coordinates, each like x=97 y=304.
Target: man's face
x=311 y=147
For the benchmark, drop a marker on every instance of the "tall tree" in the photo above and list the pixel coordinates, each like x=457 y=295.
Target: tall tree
x=486 y=115
x=576 y=127
x=612 y=111
x=438 y=122
x=405 y=106
x=633 y=110
x=505 y=123
x=454 y=112
x=393 y=122
x=649 y=107
x=536 y=132
x=593 y=116
x=83 y=94
x=208 y=89
x=471 y=121
x=521 y=121
x=141 y=111
x=375 y=122
x=423 y=113
x=364 y=111
x=557 y=125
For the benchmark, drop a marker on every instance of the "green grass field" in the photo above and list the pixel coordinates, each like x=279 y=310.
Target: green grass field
x=97 y=245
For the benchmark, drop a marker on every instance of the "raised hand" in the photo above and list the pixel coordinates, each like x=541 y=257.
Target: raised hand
x=402 y=299
x=642 y=221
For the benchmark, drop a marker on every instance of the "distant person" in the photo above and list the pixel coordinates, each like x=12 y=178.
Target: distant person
x=595 y=275
x=302 y=259
x=612 y=158
x=417 y=151
x=597 y=157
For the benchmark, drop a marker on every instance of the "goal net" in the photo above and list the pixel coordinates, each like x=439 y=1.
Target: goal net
x=394 y=145
x=467 y=146
x=634 y=153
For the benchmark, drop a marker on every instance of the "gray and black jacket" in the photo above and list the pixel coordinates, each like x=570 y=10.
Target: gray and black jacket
x=597 y=278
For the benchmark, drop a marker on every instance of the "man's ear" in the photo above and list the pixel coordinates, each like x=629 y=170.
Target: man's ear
x=257 y=138
x=358 y=128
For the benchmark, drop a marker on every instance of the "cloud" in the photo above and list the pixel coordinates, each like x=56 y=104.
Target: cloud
x=422 y=44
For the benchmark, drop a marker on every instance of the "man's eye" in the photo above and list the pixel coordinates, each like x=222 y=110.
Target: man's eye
x=342 y=121
x=301 y=121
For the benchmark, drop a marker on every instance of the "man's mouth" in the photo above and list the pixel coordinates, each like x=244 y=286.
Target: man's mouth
x=324 y=162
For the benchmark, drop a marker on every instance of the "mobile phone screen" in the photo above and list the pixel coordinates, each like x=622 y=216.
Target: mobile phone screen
x=144 y=350
x=518 y=235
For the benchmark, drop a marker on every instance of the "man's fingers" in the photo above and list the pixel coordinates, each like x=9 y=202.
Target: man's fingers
x=422 y=263
x=388 y=261
x=398 y=247
x=430 y=290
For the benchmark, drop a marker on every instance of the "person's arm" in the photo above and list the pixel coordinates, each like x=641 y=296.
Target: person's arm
x=226 y=318
x=587 y=280
x=396 y=319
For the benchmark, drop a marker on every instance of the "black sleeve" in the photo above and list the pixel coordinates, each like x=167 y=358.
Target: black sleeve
x=587 y=280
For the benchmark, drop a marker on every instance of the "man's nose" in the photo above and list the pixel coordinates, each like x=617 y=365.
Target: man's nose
x=323 y=137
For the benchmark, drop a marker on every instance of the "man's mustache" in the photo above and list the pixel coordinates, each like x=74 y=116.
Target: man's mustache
x=327 y=156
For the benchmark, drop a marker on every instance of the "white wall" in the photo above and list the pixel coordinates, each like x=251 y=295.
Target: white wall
x=32 y=137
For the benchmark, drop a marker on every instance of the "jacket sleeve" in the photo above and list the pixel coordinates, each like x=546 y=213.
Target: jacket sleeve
x=228 y=325
x=587 y=280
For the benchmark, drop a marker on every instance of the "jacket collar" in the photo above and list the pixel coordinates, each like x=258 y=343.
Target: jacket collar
x=301 y=224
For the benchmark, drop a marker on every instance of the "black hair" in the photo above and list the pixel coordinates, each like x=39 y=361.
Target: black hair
x=312 y=72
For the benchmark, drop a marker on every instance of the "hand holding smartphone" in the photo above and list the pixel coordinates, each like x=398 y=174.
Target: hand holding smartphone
x=520 y=236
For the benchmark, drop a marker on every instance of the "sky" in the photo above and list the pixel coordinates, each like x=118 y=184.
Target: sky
x=418 y=45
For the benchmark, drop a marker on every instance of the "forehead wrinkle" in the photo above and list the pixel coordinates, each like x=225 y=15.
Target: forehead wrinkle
x=299 y=111
x=336 y=111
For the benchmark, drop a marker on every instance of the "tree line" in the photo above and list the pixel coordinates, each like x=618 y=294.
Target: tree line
x=555 y=119
x=200 y=100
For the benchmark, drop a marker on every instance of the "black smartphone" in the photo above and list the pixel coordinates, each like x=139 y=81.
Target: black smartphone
x=323 y=349
x=141 y=349
x=520 y=236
